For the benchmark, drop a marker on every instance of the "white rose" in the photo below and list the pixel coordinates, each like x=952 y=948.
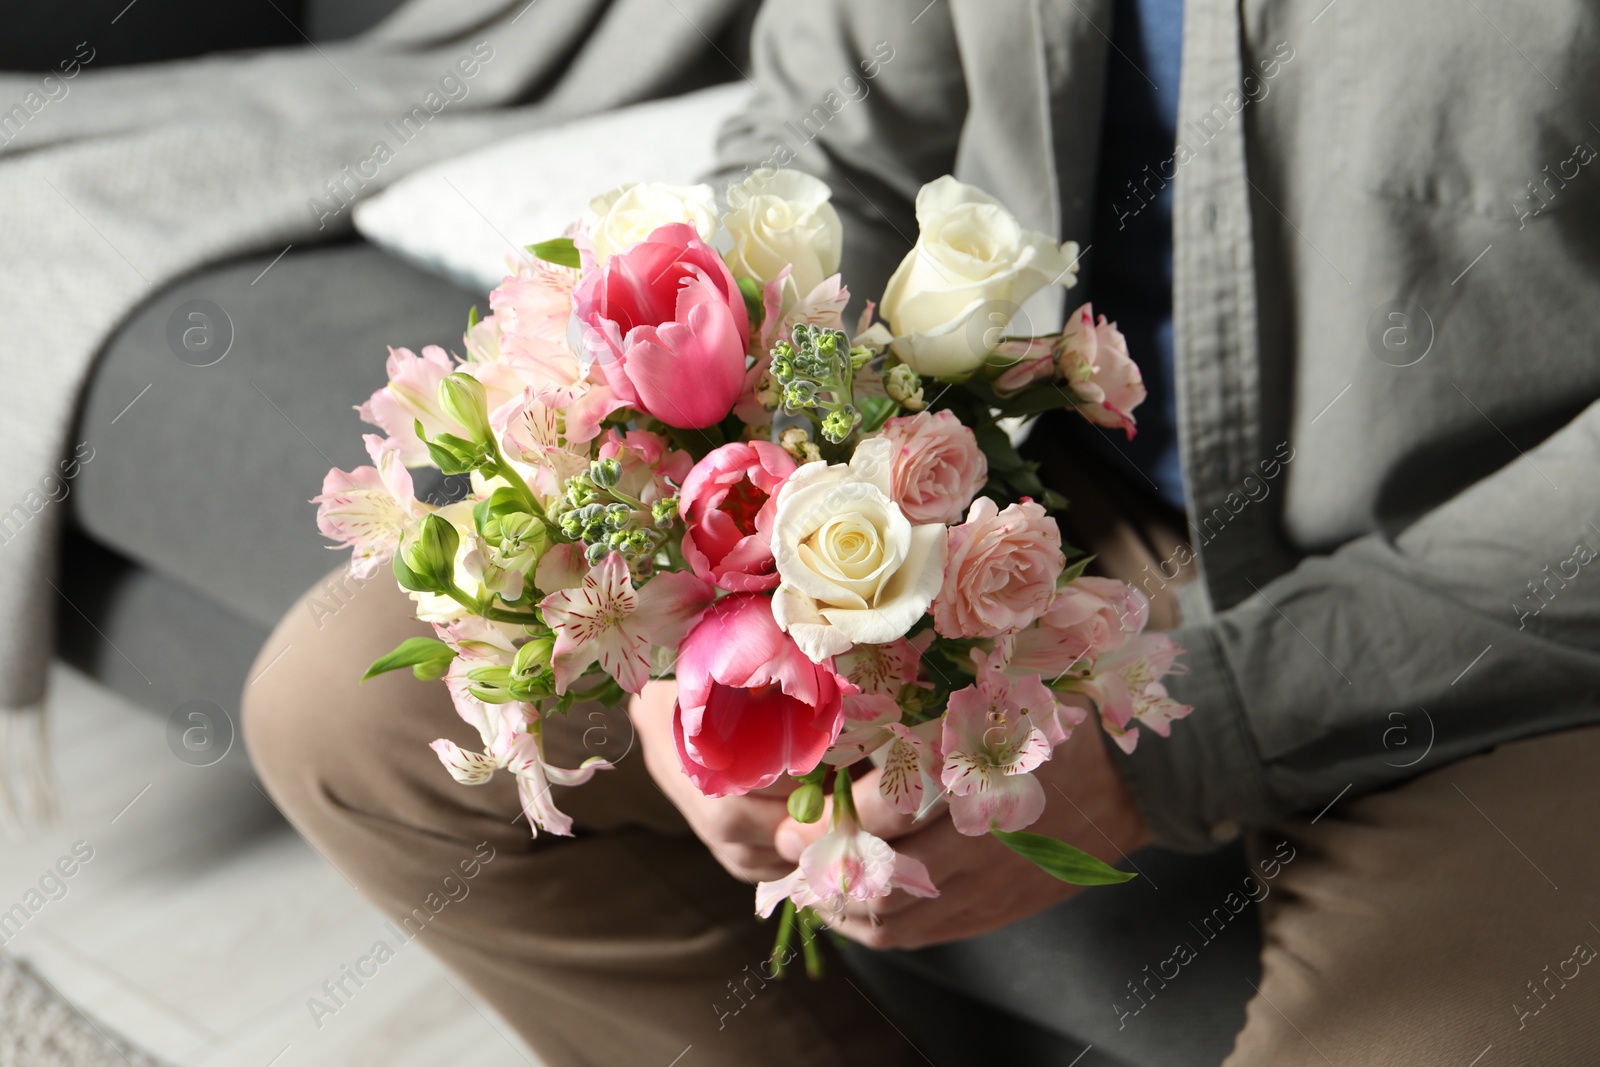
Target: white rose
x=783 y=219
x=973 y=263
x=854 y=570
x=630 y=213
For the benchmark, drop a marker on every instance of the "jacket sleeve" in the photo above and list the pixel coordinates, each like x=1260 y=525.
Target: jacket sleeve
x=1391 y=656
x=869 y=97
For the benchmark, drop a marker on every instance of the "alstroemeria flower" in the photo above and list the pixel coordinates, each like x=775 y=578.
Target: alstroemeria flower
x=411 y=396
x=881 y=673
x=1088 y=616
x=996 y=732
x=369 y=509
x=652 y=469
x=1126 y=687
x=607 y=619
x=516 y=749
x=1093 y=358
x=846 y=864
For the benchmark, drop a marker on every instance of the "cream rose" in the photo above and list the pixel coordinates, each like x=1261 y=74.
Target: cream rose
x=853 y=568
x=783 y=219
x=629 y=213
x=972 y=267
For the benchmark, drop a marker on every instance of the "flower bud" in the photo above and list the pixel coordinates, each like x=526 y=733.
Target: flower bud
x=805 y=803
x=463 y=399
x=904 y=387
x=605 y=472
x=431 y=556
x=534 y=656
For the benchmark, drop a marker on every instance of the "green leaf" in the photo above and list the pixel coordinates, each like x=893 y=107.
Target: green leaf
x=997 y=448
x=1060 y=860
x=1075 y=569
x=875 y=411
x=423 y=655
x=560 y=251
x=472 y=318
x=1036 y=399
x=751 y=290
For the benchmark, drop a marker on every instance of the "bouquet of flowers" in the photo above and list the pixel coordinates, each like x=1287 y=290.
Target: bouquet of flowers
x=685 y=463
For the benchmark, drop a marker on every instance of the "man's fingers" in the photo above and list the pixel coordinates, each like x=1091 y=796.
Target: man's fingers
x=877 y=818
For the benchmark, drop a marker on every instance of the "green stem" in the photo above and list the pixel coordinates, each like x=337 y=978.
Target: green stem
x=844 y=801
x=502 y=615
x=459 y=595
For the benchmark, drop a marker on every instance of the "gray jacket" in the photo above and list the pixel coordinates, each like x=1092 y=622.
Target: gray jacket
x=1387 y=319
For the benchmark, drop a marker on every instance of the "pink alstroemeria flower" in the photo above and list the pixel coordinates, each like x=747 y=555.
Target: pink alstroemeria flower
x=846 y=864
x=996 y=732
x=668 y=327
x=1087 y=617
x=411 y=395
x=606 y=619
x=1126 y=687
x=369 y=509
x=1093 y=358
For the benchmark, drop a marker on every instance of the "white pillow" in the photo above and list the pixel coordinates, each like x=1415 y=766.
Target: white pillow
x=531 y=187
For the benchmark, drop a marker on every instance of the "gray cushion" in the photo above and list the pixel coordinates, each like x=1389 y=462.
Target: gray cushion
x=206 y=477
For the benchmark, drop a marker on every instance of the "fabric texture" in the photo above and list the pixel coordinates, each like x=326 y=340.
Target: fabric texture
x=1414 y=926
x=1387 y=517
x=625 y=945
x=138 y=175
x=432 y=218
x=207 y=477
x=1128 y=275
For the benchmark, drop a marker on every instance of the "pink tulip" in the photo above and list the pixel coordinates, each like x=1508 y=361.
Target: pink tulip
x=668 y=327
x=751 y=706
x=727 y=503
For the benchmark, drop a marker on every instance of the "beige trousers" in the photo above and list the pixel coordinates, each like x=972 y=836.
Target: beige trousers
x=1430 y=924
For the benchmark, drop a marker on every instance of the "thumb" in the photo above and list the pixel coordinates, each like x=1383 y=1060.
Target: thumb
x=875 y=814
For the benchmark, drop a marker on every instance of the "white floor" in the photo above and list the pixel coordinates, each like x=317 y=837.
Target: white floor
x=203 y=924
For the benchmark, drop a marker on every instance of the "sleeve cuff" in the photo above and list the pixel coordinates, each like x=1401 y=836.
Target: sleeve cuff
x=1203 y=785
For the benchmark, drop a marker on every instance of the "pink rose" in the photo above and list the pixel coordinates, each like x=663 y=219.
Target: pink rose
x=1000 y=571
x=728 y=504
x=651 y=468
x=751 y=706
x=1093 y=357
x=1088 y=617
x=937 y=466
x=668 y=327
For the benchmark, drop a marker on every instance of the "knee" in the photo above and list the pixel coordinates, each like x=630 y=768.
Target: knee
x=309 y=722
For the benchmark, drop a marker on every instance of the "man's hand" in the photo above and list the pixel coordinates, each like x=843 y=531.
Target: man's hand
x=983 y=885
x=739 y=831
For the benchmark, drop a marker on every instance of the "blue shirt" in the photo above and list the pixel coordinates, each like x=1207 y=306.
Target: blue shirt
x=1130 y=263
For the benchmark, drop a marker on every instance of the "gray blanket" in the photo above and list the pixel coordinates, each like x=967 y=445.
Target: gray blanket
x=115 y=182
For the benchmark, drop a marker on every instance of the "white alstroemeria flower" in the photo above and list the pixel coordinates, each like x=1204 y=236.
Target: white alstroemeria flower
x=854 y=570
x=516 y=749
